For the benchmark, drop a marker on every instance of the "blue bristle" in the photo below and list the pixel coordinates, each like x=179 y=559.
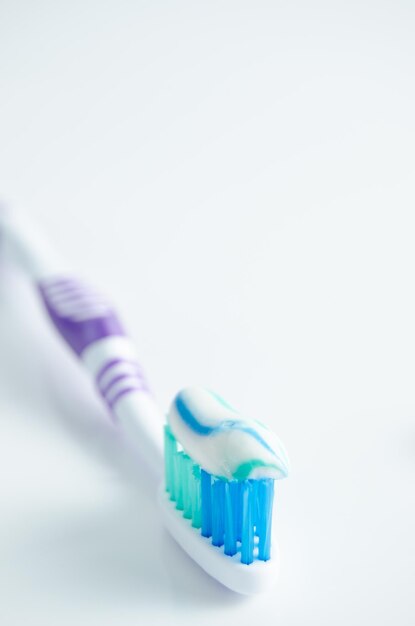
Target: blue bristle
x=231 y=512
x=218 y=512
x=255 y=502
x=238 y=511
x=247 y=542
x=231 y=492
x=170 y=447
x=265 y=500
x=206 y=482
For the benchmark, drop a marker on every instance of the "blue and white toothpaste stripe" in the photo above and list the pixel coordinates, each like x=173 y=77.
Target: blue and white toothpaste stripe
x=221 y=441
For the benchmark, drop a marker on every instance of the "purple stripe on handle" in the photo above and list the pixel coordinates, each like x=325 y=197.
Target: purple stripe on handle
x=80 y=331
x=104 y=391
x=109 y=364
x=124 y=392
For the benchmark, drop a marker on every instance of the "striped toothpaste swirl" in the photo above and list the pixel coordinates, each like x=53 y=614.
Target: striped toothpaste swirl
x=223 y=443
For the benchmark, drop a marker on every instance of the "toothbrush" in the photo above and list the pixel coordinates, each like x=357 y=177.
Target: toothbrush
x=216 y=498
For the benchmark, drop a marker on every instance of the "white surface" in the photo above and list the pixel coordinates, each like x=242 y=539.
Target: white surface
x=239 y=178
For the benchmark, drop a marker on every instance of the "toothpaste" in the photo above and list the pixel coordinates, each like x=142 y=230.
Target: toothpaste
x=223 y=442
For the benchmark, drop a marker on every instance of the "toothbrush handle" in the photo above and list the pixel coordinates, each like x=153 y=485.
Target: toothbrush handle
x=91 y=327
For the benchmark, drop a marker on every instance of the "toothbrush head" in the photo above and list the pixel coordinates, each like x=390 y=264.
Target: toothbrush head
x=218 y=495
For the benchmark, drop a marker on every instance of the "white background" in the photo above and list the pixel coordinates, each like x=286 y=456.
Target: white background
x=238 y=176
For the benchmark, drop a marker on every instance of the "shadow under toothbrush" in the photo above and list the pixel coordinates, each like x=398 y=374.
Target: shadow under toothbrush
x=114 y=556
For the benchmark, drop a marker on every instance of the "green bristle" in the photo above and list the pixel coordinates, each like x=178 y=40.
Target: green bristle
x=170 y=451
x=196 y=497
x=166 y=460
x=178 y=470
x=182 y=478
x=187 y=477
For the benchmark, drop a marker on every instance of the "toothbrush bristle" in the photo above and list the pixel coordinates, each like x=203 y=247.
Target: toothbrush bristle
x=235 y=514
